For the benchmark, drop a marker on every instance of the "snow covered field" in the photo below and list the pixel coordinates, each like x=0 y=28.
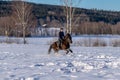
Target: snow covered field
x=31 y=62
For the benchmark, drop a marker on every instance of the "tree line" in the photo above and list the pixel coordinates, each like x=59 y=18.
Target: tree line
x=19 y=19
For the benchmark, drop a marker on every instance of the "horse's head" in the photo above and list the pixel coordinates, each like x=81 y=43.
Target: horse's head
x=68 y=38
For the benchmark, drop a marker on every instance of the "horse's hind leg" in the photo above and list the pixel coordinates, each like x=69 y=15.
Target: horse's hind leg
x=49 y=49
x=56 y=51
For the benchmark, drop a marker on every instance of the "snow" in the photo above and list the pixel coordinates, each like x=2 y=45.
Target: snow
x=32 y=62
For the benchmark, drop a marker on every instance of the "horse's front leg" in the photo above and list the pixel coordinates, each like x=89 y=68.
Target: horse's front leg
x=69 y=50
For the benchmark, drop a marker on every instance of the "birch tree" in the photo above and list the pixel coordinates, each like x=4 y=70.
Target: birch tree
x=22 y=15
x=69 y=11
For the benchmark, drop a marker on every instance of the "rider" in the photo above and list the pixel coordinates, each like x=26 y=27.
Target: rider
x=61 y=37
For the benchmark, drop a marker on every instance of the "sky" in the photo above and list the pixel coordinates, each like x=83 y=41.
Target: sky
x=113 y=5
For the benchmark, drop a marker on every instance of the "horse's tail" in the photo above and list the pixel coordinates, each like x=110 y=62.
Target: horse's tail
x=49 y=49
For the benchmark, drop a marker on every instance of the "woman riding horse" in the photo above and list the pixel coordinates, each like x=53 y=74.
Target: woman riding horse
x=61 y=37
x=64 y=46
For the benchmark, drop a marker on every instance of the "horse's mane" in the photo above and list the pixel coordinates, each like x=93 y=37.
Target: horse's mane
x=68 y=34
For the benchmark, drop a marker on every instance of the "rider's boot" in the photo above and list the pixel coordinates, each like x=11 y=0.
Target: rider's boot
x=60 y=46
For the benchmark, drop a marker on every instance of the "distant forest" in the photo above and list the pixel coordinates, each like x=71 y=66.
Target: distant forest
x=91 y=21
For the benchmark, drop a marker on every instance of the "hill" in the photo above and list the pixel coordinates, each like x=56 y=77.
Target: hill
x=44 y=10
x=54 y=16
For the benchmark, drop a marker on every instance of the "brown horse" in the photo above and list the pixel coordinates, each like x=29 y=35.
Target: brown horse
x=64 y=46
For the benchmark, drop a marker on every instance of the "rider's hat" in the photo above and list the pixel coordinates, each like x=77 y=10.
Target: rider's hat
x=61 y=28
